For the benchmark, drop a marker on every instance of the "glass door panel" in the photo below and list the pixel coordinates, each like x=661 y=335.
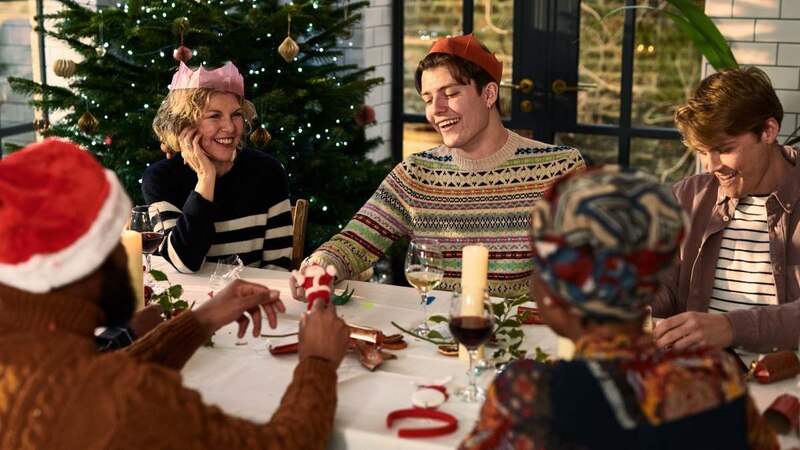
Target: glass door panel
x=425 y=21
x=596 y=149
x=669 y=160
x=493 y=24
x=418 y=137
x=600 y=61
x=666 y=66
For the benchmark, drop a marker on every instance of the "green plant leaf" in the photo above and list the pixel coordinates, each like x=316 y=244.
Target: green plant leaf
x=706 y=27
x=175 y=291
x=180 y=304
x=339 y=300
x=433 y=334
x=158 y=275
x=541 y=356
x=705 y=47
x=437 y=319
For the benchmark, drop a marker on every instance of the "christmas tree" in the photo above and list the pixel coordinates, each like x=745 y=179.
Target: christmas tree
x=309 y=104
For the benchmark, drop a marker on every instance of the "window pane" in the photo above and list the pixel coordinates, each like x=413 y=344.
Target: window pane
x=600 y=61
x=425 y=21
x=668 y=160
x=418 y=137
x=666 y=66
x=494 y=26
x=596 y=149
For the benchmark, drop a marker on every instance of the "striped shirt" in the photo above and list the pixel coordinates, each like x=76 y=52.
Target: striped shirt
x=744 y=276
x=250 y=216
x=440 y=194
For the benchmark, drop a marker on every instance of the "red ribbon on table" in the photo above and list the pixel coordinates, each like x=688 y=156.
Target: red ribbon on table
x=451 y=423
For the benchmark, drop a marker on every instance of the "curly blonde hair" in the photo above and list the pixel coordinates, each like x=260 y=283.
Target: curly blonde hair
x=183 y=107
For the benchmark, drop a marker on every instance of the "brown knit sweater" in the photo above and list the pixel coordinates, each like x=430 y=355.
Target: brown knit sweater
x=57 y=392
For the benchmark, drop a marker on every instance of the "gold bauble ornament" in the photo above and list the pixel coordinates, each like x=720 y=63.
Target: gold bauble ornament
x=288 y=49
x=260 y=137
x=101 y=51
x=88 y=123
x=64 y=68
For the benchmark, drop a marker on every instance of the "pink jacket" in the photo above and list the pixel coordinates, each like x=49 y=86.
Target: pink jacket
x=688 y=288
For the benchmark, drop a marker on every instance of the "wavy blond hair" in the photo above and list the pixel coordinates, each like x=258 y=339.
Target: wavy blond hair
x=734 y=102
x=183 y=107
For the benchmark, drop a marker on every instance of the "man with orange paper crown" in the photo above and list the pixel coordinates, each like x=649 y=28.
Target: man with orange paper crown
x=63 y=273
x=602 y=242
x=478 y=187
x=217 y=198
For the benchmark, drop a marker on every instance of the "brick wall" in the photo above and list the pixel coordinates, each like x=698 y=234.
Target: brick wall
x=371 y=45
x=766 y=34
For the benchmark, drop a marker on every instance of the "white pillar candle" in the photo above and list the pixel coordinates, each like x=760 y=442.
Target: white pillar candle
x=132 y=242
x=474 y=279
x=565 y=348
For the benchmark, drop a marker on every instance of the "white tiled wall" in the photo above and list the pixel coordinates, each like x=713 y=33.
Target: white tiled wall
x=372 y=46
x=15 y=60
x=765 y=33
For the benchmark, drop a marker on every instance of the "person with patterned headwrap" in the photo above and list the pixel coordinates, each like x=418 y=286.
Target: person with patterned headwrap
x=602 y=241
x=478 y=187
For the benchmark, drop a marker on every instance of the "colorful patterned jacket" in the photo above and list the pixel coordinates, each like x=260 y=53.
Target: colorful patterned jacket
x=621 y=392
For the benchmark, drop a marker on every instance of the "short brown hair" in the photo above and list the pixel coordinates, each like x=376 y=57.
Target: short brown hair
x=462 y=70
x=183 y=107
x=734 y=102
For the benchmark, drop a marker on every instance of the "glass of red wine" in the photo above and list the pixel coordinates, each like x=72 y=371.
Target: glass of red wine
x=471 y=324
x=147 y=221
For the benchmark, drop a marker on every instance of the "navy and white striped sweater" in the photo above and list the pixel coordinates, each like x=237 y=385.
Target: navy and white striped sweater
x=249 y=217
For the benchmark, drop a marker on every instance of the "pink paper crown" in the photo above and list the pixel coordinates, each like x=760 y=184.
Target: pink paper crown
x=227 y=79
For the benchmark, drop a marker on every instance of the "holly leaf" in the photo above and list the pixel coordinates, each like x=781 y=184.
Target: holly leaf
x=180 y=304
x=158 y=275
x=175 y=291
x=437 y=319
x=541 y=356
x=433 y=334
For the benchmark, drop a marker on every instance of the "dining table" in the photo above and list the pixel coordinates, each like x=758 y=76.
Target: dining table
x=245 y=380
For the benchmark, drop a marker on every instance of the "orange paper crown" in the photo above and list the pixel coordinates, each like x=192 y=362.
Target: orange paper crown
x=469 y=48
x=227 y=79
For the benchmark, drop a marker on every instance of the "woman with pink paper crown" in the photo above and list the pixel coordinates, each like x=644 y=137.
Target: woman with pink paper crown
x=217 y=198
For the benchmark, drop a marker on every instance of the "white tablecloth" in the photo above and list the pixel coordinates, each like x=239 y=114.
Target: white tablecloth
x=243 y=379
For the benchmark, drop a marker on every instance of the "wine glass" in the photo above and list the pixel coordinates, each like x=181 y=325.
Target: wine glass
x=471 y=323
x=424 y=271
x=147 y=221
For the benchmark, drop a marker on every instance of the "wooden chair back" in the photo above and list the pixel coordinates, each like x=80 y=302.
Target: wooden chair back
x=299 y=221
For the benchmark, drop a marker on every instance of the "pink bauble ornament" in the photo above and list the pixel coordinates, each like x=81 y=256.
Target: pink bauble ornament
x=183 y=54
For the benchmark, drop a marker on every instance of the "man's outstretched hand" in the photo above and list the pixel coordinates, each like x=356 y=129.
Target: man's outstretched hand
x=694 y=329
x=238 y=300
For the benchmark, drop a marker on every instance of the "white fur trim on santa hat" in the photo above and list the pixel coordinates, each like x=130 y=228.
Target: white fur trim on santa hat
x=45 y=272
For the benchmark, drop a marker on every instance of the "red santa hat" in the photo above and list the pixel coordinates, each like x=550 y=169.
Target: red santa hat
x=61 y=215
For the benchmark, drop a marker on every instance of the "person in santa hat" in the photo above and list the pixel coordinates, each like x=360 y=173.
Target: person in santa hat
x=63 y=273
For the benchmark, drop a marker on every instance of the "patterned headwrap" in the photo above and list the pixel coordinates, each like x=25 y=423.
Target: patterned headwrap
x=603 y=239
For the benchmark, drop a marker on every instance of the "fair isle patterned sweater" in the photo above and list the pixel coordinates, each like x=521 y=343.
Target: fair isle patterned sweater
x=442 y=195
